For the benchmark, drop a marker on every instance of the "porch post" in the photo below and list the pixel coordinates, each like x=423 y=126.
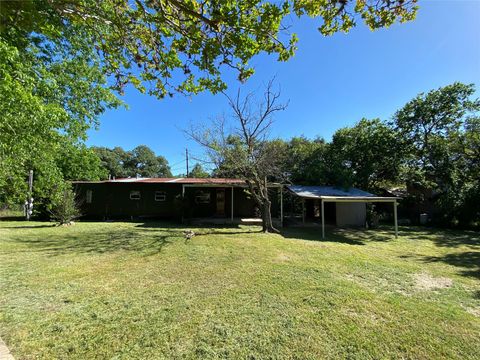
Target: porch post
x=395 y=217
x=281 y=205
x=231 y=207
x=303 y=210
x=323 y=220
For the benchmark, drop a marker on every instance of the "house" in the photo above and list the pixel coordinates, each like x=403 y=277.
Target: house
x=219 y=200
x=174 y=198
x=337 y=206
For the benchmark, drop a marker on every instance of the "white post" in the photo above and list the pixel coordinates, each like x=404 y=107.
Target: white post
x=281 y=205
x=231 y=207
x=323 y=221
x=395 y=217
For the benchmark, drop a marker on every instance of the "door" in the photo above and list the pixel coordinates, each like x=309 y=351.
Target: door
x=220 y=202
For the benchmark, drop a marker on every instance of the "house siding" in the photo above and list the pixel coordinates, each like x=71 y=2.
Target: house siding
x=111 y=200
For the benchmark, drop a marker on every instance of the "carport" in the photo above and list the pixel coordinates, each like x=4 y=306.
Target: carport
x=335 y=195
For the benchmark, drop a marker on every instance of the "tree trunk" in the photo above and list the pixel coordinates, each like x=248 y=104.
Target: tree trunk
x=267 y=224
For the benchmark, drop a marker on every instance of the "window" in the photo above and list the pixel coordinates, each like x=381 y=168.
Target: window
x=89 y=196
x=202 y=197
x=134 y=195
x=160 y=196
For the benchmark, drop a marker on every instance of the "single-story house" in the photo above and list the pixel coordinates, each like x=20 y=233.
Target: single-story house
x=215 y=198
x=337 y=206
x=175 y=198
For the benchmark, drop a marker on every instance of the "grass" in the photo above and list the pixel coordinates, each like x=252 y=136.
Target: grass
x=140 y=291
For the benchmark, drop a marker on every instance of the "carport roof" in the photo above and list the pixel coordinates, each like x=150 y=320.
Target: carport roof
x=335 y=194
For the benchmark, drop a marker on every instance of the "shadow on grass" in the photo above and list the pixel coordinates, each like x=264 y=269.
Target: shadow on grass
x=346 y=236
x=105 y=241
x=29 y=226
x=468 y=260
x=445 y=237
x=202 y=230
x=147 y=238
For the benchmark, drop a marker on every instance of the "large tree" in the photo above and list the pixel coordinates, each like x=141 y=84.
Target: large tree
x=46 y=105
x=56 y=57
x=439 y=132
x=369 y=154
x=141 y=161
x=239 y=146
x=198 y=172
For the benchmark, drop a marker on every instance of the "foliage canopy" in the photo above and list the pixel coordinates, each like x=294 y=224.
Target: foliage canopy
x=168 y=46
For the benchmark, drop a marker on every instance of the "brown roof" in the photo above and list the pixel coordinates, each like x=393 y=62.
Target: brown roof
x=171 y=180
x=192 y=180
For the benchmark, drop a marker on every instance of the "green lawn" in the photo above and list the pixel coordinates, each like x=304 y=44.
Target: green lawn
x=140 y=291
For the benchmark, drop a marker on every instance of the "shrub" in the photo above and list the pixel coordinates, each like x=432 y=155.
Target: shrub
x=65 y=207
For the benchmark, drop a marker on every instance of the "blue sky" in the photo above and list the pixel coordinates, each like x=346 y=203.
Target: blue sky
x=332 y=82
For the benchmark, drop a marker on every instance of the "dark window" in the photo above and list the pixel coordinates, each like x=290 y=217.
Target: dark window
x=160 y=196
x=134 y=195
x=89 y=196
x=202 y=197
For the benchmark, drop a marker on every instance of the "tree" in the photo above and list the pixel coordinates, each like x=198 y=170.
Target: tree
x=244 y=152
x=48 y=100
x=198 y=172
x=112 y=160
x=56 y=57
x=145 y=42
x=369 y=152
x=140 y=161
x=143 y=161
x=64 y=206
x=438 y=130
x=299 y=153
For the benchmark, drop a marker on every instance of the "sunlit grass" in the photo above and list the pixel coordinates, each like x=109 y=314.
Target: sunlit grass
x=141 y=291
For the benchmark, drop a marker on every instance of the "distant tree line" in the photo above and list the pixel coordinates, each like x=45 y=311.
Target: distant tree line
x=141 y=161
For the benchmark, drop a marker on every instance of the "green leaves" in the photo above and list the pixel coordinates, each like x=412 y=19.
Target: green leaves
x=47 y=103
x=151 y=43
x=440 y=133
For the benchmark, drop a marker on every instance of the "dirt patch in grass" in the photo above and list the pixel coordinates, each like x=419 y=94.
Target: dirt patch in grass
x=283 y=257
x=426 y=282
x=474 y=311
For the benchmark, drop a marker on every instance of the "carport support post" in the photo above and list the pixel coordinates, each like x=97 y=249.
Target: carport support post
x=395 y=217
x=323 y=220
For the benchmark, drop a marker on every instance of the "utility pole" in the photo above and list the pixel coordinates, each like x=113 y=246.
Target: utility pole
x=186 y=159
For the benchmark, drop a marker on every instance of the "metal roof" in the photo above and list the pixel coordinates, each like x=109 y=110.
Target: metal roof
x=334 y=193
x=200 y=181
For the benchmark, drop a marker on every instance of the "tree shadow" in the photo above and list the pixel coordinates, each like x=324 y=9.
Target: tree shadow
x=101 y=242
x=147 y=238
x=12 y=218
x=29 y=226
x=204 y=229
x=346 y=236
x=468 y=260
x=446 y=237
